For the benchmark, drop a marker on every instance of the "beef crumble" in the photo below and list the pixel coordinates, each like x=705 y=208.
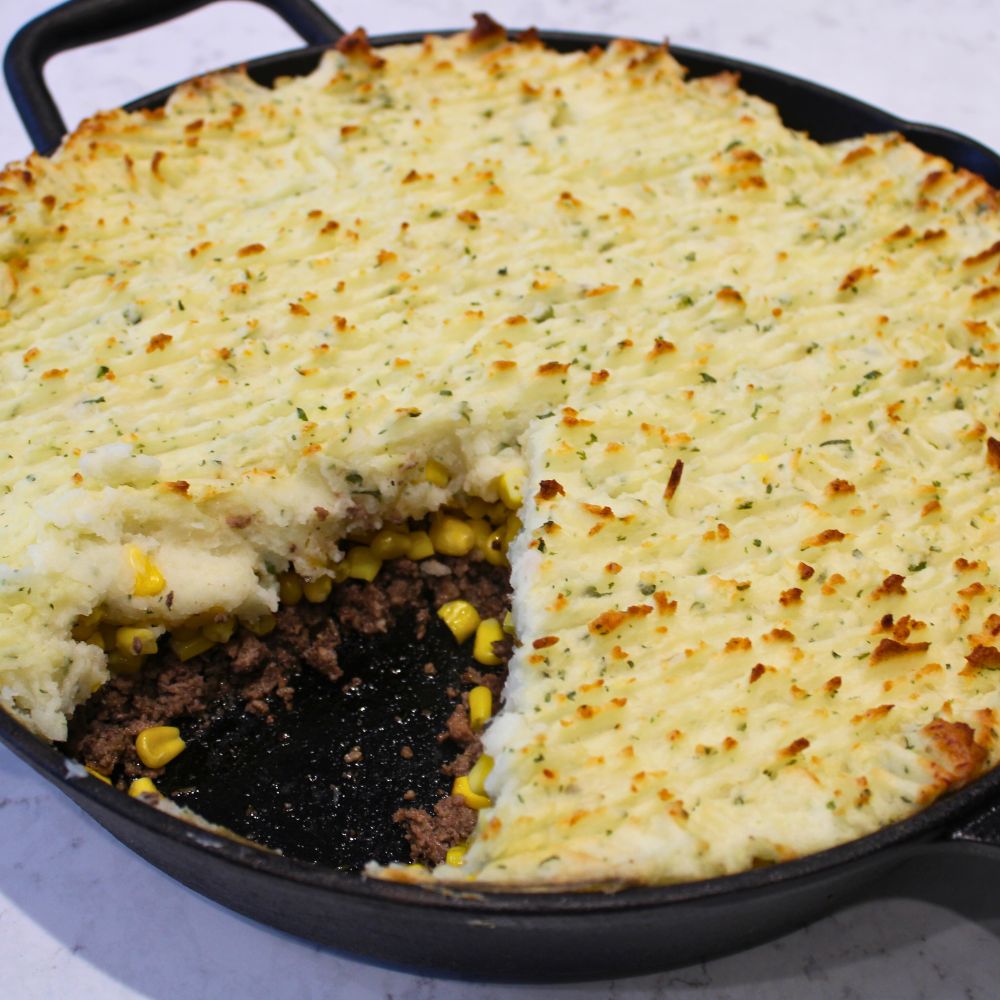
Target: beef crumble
x=431 y=834
x=254 y=675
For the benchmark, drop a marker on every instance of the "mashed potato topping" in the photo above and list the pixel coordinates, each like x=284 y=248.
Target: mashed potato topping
x=751 y=380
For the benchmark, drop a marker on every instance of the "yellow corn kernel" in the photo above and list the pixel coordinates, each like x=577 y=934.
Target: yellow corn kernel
x=97 y=639
x=495 y=549
x=124 y=663
x=497 y=513
x=98 y=775
x=206 y=617
x=512 y=527
x=488 y=632
x=318 y=590
x=479 y=773
x=86 y=625
x=262 y=625
x=456 y=855
x=187 y=644
x=149 y=580
x=472 y=799
x=362 y=563
x=508 y=623
x=390 y=543
x=481 y=531
x=480 y=705
x=475 y=507
x=142 y=786
x=509 y=486
x=340 y=570
x=220 y=631
x=159 y=745
x=421 y=546
x=135 y=641
x=461 y=617
x=451 y=536
x=436 y=473
x=289 y=588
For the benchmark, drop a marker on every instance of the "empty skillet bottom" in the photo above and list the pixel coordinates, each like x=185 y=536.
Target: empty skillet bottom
x=336 y=737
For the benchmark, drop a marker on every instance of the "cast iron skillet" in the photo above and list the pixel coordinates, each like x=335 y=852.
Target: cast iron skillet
x=474 y=933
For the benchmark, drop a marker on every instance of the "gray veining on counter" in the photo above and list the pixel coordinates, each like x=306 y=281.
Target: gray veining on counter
x=80 y=916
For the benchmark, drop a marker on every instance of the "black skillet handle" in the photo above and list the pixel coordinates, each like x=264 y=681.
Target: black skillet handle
x=81 y=22
x=981 y=829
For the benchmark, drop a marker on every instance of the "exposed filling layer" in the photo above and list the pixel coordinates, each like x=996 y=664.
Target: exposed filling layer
x=321 y=735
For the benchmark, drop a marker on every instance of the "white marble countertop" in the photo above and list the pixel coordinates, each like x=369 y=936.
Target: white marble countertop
x=81 y=916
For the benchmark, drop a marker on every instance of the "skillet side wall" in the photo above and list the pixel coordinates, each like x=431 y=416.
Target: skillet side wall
x=501 y=947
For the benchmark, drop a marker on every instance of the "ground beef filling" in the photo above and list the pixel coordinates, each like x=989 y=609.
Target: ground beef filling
x=259 y=674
